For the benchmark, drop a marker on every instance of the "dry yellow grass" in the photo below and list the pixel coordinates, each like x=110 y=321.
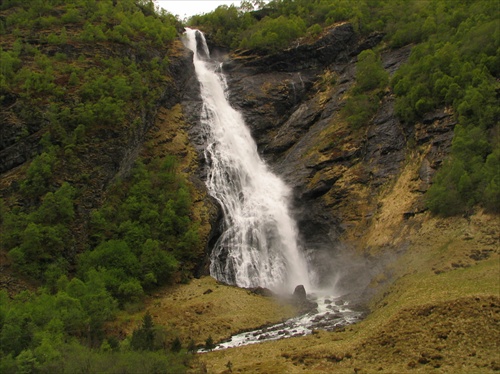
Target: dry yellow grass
x=206 y=308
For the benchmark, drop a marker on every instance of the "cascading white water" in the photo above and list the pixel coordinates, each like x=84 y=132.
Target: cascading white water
x=258 y=245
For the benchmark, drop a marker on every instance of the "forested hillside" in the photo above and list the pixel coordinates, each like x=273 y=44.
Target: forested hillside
x=99 y=203
x=86 y=213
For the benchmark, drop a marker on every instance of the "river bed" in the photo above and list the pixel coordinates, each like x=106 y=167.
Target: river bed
x=331 y=314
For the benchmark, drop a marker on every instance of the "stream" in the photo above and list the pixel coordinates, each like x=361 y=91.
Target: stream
x=332 y=313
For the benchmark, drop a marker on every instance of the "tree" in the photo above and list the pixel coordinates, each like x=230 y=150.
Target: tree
x=39 y=175
x=272 y=34
x=97 y=302
x=26 y=362
x=109 y=255
x=209 y=343
x=157 y=264
x=369 y=72
x=176 y=345
x=191 y=348
x=56 y=207
x=143 y=338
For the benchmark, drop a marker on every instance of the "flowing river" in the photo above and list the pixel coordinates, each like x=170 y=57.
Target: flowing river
x=258 y=245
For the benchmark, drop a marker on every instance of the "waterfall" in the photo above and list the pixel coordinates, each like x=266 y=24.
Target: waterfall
x=258 y=245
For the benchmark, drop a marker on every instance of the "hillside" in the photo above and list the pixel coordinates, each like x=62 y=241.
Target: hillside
x=99 y=204
x=382 y=118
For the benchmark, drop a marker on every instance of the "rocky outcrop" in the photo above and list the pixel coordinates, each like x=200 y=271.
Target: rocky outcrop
x=269 y=88
x=291 y=102
x=300 y=293
x=19 y=140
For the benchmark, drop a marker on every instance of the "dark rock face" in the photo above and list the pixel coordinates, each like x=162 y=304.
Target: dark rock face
x=269 y=88
x=15 y=147
x=335 y=172
x=385 y=143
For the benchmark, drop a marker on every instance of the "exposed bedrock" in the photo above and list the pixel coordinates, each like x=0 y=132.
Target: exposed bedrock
x=291 y=102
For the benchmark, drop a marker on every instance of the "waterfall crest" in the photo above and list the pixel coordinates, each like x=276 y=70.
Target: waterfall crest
x=258 y=245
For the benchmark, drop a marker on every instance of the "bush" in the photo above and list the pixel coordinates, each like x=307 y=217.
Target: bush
x=274 y=34
x=364 y=99
x=39 y=175
x=370 y=74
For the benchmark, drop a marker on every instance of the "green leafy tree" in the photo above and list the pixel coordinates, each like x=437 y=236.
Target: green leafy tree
x=191 y=348
x=157 y=264
x=370 y=74
x=39 y=175
x=26 y=362
x=364 y=99
x=272 y=34
x=176 y=345
x=57 y=207
x=209 y=343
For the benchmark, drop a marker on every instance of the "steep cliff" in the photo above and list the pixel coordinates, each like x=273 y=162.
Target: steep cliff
x=291 y=102
x=81 y=106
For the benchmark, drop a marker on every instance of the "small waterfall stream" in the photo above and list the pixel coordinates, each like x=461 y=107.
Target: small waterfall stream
x=258 y=245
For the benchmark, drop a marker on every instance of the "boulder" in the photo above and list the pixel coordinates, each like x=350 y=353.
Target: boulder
x=300 y=293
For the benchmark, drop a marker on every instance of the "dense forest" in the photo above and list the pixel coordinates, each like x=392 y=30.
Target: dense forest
x=73 y=76
x=76 y=74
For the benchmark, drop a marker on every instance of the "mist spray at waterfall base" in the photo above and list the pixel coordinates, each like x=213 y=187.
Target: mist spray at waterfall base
x=258 y=245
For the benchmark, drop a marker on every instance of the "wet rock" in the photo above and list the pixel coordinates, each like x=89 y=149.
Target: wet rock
x=317 y=319
x=426 y=172
x=300 y=293
x=385 y=147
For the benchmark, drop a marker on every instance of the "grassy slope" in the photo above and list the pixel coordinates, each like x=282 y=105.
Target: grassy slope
x=441 y=313
x=206 y=308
